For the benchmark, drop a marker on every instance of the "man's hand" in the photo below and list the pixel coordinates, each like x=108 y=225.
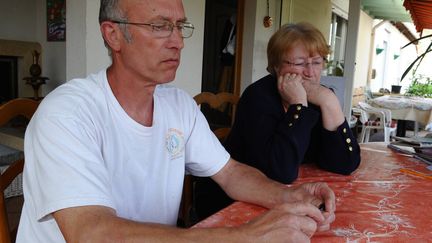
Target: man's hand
x=291 y=89
x=315 y=194
x=289 y=222
x=293 y=210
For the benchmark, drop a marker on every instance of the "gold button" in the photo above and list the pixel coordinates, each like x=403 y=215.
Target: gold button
x=290 y=125
x=299 y=107
x=348 y=140
x=344 y=130
x=296 y=116
x=350 y=148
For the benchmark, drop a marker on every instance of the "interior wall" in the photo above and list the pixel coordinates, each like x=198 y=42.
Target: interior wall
x=25 y=20
x=18 y=20
x=263 y=35
x=316 y=12
x=255 y=39
x=363 y=45
x=76 y=31
x=86 y=52
x=96 y=55
x=247 y=64
x=189 y=72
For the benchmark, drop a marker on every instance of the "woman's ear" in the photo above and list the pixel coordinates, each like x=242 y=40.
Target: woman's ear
x=111 y=34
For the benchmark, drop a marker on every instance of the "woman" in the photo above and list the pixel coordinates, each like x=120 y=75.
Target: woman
x=287 y=118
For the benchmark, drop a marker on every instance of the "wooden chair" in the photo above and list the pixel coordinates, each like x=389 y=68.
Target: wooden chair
x=215 y=101
x=8 y=111
x=5 y=180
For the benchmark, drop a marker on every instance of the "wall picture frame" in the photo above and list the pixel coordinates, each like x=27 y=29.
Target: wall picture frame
x=56 y=20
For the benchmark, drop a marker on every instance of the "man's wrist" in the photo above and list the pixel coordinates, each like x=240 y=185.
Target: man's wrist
x=288 y=194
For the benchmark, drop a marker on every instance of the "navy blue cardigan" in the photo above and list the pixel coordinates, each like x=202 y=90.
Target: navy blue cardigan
x=277 y=142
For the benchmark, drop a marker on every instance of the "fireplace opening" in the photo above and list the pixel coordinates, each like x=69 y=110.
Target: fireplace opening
x=8 y=78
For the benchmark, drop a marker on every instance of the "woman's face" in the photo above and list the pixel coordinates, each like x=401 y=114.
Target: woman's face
x=299 y=61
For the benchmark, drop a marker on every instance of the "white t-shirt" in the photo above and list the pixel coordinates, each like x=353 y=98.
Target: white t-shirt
x=81 y=148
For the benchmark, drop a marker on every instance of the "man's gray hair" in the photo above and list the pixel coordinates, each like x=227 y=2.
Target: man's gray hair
x=110 y=10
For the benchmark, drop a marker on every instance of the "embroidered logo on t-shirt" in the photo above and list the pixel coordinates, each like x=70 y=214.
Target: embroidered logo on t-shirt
x=174 y=142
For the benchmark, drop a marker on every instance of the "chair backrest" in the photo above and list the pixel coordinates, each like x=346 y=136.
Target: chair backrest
x=384 y=114
x=16 y=107
x=8 y=111
x=216 y=101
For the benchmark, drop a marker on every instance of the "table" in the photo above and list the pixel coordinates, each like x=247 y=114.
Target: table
x=411 y=108
x=377 y=203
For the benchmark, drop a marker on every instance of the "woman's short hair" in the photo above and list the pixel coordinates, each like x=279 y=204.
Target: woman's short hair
x=288 y=37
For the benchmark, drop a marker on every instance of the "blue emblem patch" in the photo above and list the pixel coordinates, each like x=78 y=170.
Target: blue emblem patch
x=174 y=142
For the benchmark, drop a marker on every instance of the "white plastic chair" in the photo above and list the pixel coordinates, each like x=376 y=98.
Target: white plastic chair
x=375 y=118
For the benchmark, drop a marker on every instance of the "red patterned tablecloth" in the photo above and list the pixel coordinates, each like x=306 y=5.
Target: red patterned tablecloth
x=377 y=203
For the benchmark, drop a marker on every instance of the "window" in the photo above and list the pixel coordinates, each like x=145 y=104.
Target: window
x=337 y=39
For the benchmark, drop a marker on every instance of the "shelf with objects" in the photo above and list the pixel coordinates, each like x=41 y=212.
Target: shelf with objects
x=35 y=80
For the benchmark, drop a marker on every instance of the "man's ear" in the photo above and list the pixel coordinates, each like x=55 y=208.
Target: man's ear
x=112 y=34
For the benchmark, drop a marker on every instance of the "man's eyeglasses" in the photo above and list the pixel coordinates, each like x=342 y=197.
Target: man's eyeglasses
x=315 y=63
x=164 y=29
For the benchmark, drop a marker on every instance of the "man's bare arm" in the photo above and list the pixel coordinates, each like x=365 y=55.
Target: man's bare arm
x=101 y=224
x=287 y=223
x=245 y=183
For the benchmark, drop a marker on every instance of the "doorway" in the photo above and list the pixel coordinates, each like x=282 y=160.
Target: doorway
x=222 y=54
x=219 y=37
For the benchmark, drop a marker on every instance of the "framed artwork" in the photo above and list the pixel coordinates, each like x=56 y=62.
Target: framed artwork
x=56 y=20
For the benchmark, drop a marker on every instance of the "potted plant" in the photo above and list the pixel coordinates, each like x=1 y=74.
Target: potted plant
x=396 y=89
x=334 y=68
x=420 y=86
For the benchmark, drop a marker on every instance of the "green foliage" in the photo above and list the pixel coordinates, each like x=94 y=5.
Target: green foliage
x=334 y=68
x=420 y=86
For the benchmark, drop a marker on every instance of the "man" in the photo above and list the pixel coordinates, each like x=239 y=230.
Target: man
x=106 y=155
